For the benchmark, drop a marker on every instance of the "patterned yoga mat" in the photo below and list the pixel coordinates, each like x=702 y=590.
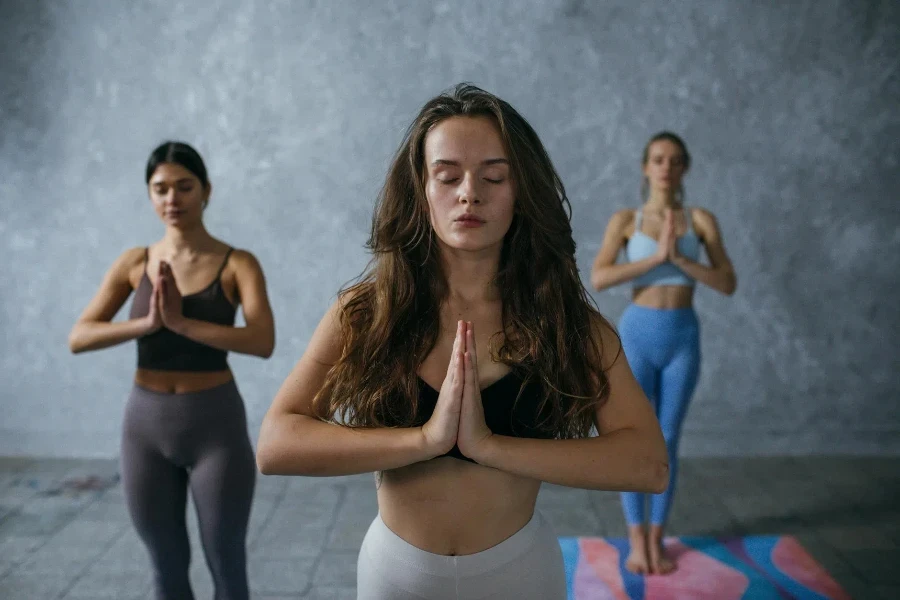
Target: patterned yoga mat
x=745 y=568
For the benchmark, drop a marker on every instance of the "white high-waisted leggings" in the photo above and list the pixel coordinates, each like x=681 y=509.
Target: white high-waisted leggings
x=528 y=565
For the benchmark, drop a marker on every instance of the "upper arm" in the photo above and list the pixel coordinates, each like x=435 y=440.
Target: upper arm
x=708 y=228
x=251 y=287
x=613 y=239
x=627 y=406
x=308 y=375
x=114 y=290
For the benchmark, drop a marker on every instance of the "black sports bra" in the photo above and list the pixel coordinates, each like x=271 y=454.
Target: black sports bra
x=166 y=350
x=506 y=412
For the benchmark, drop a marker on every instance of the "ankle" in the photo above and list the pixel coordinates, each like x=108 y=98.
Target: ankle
x=637 y=533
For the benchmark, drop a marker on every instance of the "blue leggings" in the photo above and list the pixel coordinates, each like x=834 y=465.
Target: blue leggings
x=663 y=350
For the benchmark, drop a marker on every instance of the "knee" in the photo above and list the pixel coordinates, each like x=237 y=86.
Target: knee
x=226 y=552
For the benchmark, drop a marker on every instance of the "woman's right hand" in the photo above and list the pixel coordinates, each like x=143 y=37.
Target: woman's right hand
x=442 y=428
x=153 y=320
x=666 y=244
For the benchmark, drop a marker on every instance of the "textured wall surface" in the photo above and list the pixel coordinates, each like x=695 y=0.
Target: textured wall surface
x=790 y=111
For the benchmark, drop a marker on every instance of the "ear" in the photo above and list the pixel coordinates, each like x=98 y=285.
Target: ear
x=208 y=194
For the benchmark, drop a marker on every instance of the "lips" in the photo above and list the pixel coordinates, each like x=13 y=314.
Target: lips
x=468 y=218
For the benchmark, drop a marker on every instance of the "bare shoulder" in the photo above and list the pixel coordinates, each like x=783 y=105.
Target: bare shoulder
x=132 y=256
x=702 y=215
x=325 y=347
x=704 y=221
x=244 y=260
x=129 y=266
x=607 y=340
x=623 y=218
x=619 y=224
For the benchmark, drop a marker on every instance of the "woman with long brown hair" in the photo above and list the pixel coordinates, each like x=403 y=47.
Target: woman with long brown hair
x=466 y=367
x=659 y=330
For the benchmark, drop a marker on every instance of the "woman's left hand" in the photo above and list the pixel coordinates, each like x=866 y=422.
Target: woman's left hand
x=669 y=234
x=169 y=298
x=474 y=434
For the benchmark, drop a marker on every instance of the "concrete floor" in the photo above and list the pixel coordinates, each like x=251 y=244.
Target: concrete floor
x=65 y=534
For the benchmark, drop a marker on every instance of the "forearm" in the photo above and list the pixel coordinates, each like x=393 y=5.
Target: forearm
x=244 y=340
x=619 y=461
x=301 y=445
x=96 y=335
x=613 y=275
x=721 y=280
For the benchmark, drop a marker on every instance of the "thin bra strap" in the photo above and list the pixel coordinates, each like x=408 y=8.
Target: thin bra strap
x=224 y=262
x=146 y=259
x=638 y=215
x=688 y=219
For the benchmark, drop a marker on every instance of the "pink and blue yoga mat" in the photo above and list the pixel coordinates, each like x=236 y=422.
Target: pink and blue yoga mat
x=742 y=568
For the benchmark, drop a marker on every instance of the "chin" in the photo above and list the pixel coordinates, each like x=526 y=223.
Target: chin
x=473 y=245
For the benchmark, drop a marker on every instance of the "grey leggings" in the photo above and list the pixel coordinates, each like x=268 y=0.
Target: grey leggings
x=526 y=566
x=172 y=442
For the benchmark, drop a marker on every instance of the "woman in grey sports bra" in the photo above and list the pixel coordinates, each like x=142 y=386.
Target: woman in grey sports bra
x=185 y=427
x=659 y=330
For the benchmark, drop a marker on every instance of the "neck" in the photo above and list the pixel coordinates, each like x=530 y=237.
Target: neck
x=471 y=276
x=186 y=240
x=660 y=200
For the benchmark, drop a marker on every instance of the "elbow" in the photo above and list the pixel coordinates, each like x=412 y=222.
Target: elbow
x=267 y=452
x=730 y=285
x=75 y=344
x=267 y=456
x=266 y=462
x=276 y=456
x=597 y=281
x=659 y=477
x=267 y=348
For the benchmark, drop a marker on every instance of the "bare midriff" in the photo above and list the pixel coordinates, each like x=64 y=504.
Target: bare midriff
x=452 y=507
x=181 y=382
x=663 y=296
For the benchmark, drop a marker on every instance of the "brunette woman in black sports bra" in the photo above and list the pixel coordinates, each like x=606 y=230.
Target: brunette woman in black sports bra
x=467 y=367
x=185 y=426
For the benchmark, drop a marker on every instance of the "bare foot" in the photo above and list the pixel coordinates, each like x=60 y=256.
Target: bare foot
x=659 y=564
x=637 y=561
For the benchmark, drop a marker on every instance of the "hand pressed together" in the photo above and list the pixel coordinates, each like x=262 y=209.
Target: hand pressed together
x=458 y=417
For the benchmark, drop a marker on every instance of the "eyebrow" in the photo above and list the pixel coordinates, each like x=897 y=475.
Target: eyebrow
x=164 y=182
x=453 y=163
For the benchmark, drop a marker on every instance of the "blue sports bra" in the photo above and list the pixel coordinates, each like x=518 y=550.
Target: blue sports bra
x=641 y=246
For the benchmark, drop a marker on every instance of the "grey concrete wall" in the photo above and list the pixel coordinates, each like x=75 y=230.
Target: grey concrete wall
x=790 y=110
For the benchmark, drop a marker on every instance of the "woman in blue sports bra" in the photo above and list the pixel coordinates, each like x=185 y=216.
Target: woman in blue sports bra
x=659 y=330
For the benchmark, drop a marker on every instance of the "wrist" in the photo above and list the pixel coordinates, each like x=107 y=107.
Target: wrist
x=485 y=450
x=177 y=324
x=423 y=447
x=145 y=325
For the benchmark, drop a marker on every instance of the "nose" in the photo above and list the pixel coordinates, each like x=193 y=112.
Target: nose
x=468 y=192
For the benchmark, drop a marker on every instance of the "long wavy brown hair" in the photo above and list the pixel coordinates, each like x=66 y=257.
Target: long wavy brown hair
x=390 y=318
